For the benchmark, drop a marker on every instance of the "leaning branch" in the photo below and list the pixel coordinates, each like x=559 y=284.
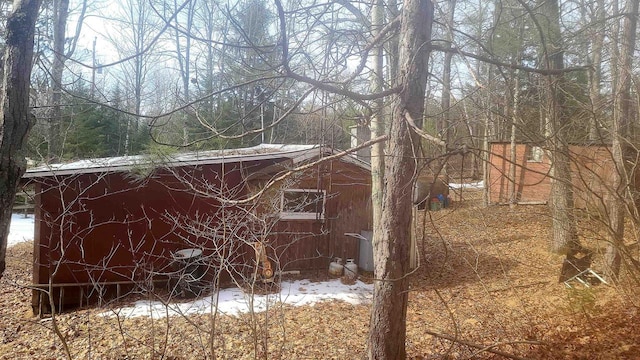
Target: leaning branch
x=422 y=133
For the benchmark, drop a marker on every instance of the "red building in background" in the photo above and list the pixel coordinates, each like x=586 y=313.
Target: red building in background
x=592 y=167
x=108 y=227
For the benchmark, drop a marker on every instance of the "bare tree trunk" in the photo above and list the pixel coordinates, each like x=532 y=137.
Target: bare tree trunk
x=183 y=56
x=377 y=121
x=486 y=145
x=392 y=51
x=515 y=119
x=513 y=198
x=14 y=109
x=392 y=234
x=444 y=130
x=61 y=12
x=565 y=238
x=472 y=130
x=595 y=75
x=62 y=50
x=620 y=146
x=486 y=157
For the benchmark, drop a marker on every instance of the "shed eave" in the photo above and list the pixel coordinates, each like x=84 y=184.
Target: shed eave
x=298 y=153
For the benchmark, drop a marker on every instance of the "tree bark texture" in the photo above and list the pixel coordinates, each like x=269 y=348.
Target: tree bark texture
x=15 y=121
x=392 y=233
x=378 y=119
x=61 y=13
x=595 y=75
x=565 y=238
x=622 y=119
x=513 y=191
x=444 y=128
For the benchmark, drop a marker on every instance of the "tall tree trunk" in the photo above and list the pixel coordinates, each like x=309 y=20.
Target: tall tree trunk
x=486 y=157
x=377 y=121
x=472 y=130
x=183 y=56
x=515 y=120
x=444 y=130
x=620 y=143
x=595 y=75
x=62 y=50
x=60 y=14
x=392 y=50
x=392 y=233
x=513 y=198
x=16 y=120
x=565 y=238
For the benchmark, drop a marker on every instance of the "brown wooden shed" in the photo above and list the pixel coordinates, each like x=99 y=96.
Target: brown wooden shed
x=591 y=165
x=106 y=227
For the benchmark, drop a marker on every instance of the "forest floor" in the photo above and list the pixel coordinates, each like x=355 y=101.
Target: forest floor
x=486 y=282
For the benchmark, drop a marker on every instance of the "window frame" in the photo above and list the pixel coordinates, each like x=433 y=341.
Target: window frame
x=535 y=154
x=302 y=215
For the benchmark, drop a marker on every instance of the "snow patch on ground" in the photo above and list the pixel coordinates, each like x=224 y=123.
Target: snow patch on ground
x=473 y=185
x=21 y=229
x=235 y=302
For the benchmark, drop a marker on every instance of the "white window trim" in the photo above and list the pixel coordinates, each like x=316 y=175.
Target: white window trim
x=296 y=215
x=535 y=155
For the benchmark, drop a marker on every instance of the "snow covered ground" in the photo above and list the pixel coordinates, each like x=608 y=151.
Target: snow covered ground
x=229 y=301
x=473 y=185
x=235 y=302
x=21 y=229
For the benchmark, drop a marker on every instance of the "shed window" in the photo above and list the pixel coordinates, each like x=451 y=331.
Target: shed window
x=535 y=154
x=303 y=204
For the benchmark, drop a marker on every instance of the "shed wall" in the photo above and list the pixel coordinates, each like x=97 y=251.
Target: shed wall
x=591 y=166
x=310 y=244
x=115 y=227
